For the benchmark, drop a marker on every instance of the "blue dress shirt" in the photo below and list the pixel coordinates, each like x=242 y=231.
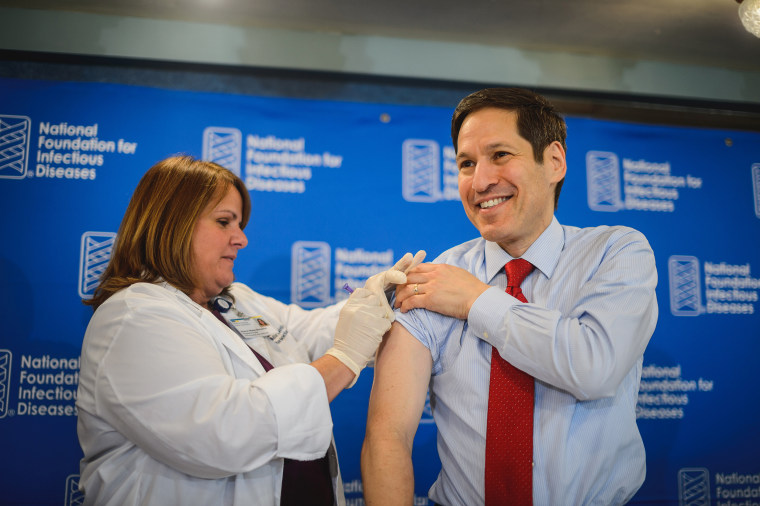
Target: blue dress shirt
x=591 y=311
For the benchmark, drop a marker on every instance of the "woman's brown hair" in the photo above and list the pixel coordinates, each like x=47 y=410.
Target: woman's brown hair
x=154 y=240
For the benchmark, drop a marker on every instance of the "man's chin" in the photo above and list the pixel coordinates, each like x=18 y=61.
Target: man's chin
x=491 y=232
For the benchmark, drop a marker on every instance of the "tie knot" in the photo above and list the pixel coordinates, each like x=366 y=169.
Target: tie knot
x=517 y=270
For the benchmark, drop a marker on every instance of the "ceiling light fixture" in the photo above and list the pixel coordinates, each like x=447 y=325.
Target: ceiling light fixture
x=749 y=13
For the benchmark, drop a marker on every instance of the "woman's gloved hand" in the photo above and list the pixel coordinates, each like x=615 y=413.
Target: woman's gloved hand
x=363 y=321
x=367 y=316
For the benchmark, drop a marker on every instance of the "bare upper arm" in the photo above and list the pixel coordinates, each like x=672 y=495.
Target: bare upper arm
x=402 y=374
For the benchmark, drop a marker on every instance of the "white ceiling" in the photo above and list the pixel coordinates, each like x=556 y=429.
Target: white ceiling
x=703 y=32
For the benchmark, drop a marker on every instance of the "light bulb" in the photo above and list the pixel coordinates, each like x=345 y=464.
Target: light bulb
x=749 y=13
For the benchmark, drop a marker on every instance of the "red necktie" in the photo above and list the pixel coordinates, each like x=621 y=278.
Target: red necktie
x=509 y=433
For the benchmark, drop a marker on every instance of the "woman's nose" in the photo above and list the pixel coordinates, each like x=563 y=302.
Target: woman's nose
x=240 y=239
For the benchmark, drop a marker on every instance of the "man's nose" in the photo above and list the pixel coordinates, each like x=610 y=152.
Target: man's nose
x=484 y=176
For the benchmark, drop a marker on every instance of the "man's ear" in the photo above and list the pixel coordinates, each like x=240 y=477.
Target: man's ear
x=555 y=162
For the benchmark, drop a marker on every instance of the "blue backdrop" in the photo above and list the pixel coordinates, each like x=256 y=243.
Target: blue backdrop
x=339 y=191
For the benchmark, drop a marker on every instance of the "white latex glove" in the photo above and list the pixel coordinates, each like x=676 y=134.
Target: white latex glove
x=363 y=321
x=385 y=282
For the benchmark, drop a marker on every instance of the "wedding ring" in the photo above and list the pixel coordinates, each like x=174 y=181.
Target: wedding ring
x=416 y=286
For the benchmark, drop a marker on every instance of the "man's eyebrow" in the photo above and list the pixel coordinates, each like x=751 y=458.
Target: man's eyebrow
x=490 y=147
x=497 y=145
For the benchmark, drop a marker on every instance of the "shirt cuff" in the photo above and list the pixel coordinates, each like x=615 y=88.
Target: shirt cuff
x=487 y=314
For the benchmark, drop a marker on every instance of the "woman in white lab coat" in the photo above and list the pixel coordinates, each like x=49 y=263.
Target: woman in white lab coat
x=195 y=390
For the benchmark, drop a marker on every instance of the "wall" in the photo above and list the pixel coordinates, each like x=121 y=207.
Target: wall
x=112 y=36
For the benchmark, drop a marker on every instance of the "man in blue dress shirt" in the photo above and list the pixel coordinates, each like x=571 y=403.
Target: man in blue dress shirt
x=581 y=336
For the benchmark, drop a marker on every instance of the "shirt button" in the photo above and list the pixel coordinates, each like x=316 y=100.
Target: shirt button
x=485 y=335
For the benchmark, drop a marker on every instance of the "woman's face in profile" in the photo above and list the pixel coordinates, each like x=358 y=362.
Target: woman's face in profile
x=217 y=237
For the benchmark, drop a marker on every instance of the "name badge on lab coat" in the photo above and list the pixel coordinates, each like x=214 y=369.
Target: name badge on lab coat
x=252 y=326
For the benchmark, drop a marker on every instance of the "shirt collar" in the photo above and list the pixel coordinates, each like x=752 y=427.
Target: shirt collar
x=543 y=253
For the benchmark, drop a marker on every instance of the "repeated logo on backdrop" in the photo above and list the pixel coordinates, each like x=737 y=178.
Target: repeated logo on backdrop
x=425 y=178
x=731 y=488
x=694 y=487
x=223 y=146
x=311 y=265
x=46 y=386
x=94 y=254
x=14 y=146
x=73 y=496
x=272 y=164
x=310 y=273
x=728 y=289
x=644 y=185
x=62 y=150
x=6 y=361
x=664 y=392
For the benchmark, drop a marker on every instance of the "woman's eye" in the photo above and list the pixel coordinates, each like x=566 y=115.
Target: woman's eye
x=223 y=222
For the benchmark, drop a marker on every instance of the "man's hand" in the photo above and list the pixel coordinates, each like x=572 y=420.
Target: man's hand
x=441 y=288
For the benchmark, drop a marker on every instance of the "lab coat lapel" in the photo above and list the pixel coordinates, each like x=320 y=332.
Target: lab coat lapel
x=220 y=332
x=235 y=344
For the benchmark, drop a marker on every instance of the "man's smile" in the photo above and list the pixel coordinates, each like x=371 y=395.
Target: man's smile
x=492 y=202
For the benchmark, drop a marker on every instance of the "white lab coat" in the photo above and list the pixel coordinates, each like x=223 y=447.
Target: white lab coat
x=173 y=408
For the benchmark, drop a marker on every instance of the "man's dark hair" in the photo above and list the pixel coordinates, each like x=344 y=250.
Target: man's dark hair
x=538 y=121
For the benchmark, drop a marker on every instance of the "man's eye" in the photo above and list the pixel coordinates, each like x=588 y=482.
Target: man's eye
x=465 y=164
x=501 y=154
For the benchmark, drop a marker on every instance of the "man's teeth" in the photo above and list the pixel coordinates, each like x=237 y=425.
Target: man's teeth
x=492 y=202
